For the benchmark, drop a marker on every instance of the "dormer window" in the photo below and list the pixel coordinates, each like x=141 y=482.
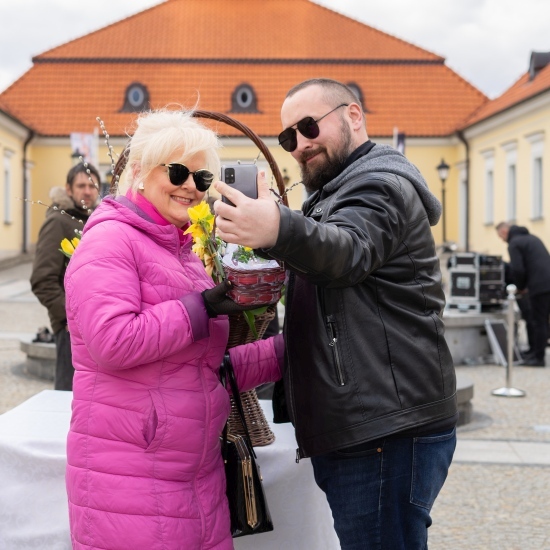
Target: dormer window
x=355 y=88
x=136 y=98
x=243 y=99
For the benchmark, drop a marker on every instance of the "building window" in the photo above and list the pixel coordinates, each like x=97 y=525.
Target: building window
x=537 y=150
x=243 y=99
x=537 y=210
x=489 y=188
x=356 y=89
x=136 y=98
x=511 y=152
x=511 y=192
x=7 y=187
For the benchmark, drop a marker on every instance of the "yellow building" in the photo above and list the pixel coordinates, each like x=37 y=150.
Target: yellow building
x=14 y=183
x=509 y=157
x=250 y=58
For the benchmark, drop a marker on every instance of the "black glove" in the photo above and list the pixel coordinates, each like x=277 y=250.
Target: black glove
x=217 y=303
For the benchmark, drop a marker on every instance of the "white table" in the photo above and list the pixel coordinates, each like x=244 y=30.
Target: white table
x=33 y=501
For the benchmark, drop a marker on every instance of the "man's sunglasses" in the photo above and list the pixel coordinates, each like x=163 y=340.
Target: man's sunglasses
x=178 y=174
x=308 y=127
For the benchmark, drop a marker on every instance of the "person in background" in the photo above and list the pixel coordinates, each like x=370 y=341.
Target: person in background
x=70 y=209
x=368 y=377
x=530 y=267
x=522 y=300
x=149 y=332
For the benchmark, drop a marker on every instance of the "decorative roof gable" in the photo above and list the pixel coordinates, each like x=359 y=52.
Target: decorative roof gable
x=252 y=30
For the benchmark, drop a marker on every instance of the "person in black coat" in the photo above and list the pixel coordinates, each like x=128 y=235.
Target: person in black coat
x=530 y=265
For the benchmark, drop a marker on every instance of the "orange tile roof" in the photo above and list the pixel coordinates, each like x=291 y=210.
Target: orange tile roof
x=522 y=90
x=421 y=101
x=403 y=85
x=239 y=29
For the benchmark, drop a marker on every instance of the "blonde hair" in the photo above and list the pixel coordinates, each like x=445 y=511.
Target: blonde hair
x=161 y=134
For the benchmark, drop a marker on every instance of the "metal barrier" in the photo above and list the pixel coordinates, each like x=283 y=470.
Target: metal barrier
x=508 y=390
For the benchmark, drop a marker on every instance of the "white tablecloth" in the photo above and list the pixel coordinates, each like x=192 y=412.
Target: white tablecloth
x=33 y=501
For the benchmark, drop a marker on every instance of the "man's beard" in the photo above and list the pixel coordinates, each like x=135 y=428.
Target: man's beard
x=325 y=170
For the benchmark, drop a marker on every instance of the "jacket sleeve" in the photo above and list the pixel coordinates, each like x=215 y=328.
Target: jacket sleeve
x=517 y=265
x=358 y=236
x=105 y=302
x=258 y=362
x=48 y=267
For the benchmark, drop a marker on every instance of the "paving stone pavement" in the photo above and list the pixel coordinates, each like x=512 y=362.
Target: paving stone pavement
x=497 y=491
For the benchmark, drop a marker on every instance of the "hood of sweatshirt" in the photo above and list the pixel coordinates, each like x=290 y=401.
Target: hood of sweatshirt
x=383 y=158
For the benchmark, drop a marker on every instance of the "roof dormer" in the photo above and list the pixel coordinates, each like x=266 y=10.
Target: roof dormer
x=538 y=61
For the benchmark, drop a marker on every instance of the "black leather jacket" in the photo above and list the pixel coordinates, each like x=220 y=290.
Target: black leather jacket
x=529 y=260
x=365 y=351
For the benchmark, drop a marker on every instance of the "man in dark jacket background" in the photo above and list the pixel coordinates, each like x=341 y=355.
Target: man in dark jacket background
x=530 y=266
x=68 y=213
x=368 y=378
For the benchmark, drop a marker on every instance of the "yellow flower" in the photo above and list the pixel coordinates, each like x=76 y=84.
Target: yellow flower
x=247 y=249
x=208 y=264
x=68 y=247
x=75 y=241
x=205 y=246
x=201 y=214
x=198 y=249
x=196 y=231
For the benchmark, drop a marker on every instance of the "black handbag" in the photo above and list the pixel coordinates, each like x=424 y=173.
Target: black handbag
x=245 y=492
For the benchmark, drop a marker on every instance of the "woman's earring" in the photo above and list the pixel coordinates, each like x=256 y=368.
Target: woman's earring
x=141 y=187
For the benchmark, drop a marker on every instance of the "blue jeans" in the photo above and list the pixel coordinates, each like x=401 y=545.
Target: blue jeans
x=381 y=493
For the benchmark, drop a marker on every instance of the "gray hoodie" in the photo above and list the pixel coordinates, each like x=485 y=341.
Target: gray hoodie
x=383 y=158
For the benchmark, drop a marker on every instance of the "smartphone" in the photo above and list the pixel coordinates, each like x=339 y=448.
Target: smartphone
x=243 y=177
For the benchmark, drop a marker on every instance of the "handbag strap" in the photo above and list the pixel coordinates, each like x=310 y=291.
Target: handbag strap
x=228 y=374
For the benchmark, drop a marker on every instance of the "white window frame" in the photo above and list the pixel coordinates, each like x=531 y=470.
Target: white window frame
x=489 y=178
x=8 y=173
x=462 y=204
x=537 y=210
x=537 y=174
x=511 y=180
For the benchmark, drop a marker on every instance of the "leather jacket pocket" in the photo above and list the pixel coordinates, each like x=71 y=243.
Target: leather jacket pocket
x=336 y=353
x=155 y=426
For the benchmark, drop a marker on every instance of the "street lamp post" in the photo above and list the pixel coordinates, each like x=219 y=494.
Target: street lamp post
x=443 y=171
x=75 y=156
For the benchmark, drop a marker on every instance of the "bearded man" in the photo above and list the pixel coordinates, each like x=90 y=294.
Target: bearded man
x=368 y=378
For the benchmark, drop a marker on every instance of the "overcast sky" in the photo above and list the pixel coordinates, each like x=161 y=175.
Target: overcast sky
x=488 y=42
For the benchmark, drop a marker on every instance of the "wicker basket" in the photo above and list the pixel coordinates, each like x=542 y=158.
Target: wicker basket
x=255 y=286
x=239 y=331
x=258 y=427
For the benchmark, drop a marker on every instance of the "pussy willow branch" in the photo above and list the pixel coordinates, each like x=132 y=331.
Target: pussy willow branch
x=110 y=151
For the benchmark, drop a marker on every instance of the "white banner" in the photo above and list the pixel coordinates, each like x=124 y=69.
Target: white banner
x=86 y=146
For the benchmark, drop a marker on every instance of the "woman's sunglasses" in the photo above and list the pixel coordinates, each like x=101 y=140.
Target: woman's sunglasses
x=308 y=127
x=178 y=174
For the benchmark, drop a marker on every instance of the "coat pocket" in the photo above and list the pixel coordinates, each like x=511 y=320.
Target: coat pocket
x=333 y=343
x=155 y=426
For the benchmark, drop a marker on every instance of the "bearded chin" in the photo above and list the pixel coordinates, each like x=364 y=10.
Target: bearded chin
x=316 y=177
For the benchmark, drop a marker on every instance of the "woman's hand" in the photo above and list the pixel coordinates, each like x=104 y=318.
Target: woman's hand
x=217 y=303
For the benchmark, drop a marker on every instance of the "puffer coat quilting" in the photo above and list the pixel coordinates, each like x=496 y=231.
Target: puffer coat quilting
x=144 y=466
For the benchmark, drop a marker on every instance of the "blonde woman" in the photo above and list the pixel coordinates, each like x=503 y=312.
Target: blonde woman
x=148 y=334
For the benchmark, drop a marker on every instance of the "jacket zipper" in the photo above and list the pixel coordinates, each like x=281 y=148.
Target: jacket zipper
x=334 y=345
x=201 y=462
x=290 y=390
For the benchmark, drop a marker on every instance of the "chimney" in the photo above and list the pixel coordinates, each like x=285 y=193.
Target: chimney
x=538 y=61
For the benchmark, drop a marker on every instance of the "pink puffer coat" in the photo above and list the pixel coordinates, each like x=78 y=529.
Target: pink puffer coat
x=144 y=465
